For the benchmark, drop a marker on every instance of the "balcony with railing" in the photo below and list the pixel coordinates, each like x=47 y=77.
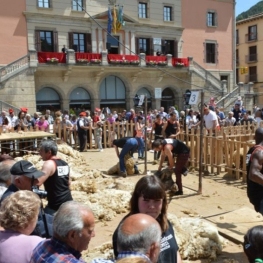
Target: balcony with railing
x=251 y=58
x=251 y=37
x=87 y=59
x=252 y=78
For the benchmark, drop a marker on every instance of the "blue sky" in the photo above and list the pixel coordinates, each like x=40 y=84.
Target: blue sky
x=244 y=5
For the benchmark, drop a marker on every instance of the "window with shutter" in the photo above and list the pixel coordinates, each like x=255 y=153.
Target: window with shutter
x=37 y=41
x=88 y=43
x=46 y=41
x=211 y=18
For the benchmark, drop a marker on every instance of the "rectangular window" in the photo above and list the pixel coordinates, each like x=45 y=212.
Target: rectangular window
x=47 y=41
x=252 y=54
x=211 y=53
x=253 y=74
x=252 y=33
x=142 y=12
x=211 y=19
x=79 y=42
x=77 y=5
x=167 y=13
x=44 y=3
x=237 y=37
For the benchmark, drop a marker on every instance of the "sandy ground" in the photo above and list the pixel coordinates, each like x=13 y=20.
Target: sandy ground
x=219 y=196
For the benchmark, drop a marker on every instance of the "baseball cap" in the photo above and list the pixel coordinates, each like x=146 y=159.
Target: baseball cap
x=24 y=109
x=11 y=110
x=25 y=168
x=83 y=113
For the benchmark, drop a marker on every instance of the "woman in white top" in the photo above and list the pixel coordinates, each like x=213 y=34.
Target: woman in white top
x=190 y=120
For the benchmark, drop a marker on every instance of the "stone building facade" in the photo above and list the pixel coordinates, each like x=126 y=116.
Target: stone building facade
x=150 y=26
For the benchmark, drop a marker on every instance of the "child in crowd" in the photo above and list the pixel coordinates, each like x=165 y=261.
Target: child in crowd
x=98 y=136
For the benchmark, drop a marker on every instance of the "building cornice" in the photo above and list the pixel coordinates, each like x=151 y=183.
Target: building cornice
x=250 y=19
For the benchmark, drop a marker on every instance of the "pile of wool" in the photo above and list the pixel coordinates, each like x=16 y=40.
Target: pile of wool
x=104 y=251
x=105 y=203
x=196 y=238
x=129 y=165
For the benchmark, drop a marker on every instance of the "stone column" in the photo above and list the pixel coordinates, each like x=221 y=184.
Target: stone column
x=169 y=60
x=133 y=42
x=93 y=40
x=65 y=104
x=33 y=60
x=95 y=103
x=191 y=63
x=142 y=59
x=127 y=43
x=71 y=58
x=104 y=58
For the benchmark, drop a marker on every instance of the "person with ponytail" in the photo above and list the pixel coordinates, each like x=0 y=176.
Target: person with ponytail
x=253 y=244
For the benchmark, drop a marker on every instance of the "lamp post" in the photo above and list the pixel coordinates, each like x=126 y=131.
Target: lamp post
x=139 y=104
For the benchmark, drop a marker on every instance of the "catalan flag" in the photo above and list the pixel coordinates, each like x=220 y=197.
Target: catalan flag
x=109 y=21
x=114 y=23
x=120 y=18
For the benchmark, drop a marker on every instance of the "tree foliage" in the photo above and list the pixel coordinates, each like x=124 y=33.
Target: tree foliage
x=254 y=10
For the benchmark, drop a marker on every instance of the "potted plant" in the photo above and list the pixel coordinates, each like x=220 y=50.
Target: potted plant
x=125 y=62
x=115 y=61
x=82 y=61
x=179 y=64
x=135 y=62
x=162 y=63
x=151 y=63
x=52 y=60
x=95 y=61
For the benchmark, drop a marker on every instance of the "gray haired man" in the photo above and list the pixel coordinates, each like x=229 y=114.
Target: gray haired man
x=73 y=228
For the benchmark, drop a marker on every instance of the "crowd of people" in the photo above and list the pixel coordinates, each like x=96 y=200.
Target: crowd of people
x=64 y=228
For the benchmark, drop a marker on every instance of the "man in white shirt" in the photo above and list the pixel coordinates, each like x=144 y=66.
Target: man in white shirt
x=12 y=117
x=210 y=118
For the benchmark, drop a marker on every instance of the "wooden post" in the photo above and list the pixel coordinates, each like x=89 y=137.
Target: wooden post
x=201 y=144
x=145 y=135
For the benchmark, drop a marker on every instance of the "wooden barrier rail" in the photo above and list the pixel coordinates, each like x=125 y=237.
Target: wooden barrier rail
x=224 y=150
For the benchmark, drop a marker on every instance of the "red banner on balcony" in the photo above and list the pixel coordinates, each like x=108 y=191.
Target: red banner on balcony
x=44 y=57
x=180 y=61
x=155 y=58
x=119 y=57
x=87 y=56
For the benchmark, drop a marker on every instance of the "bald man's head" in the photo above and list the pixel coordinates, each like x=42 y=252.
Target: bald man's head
x=259 y=135
x=140 y=233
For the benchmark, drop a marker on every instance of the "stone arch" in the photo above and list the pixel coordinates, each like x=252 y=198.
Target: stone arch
x=48 y=98
x=170 y=98
x=112 y=92
x=79 y=98
x=145 y=91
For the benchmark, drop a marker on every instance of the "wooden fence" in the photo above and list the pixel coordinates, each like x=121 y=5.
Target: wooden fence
x=224 y=151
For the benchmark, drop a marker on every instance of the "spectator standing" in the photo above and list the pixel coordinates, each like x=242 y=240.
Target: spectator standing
x=247 y=119
x=50 y=118
x=12 y=117
x=98 y=136
x=210 y=119
x=171 y=129
x=42 y=124
x=162 y=113
x=157 y=129
x=230 y=120
x=237 y=114
x=139 y=127
x=82 y=128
